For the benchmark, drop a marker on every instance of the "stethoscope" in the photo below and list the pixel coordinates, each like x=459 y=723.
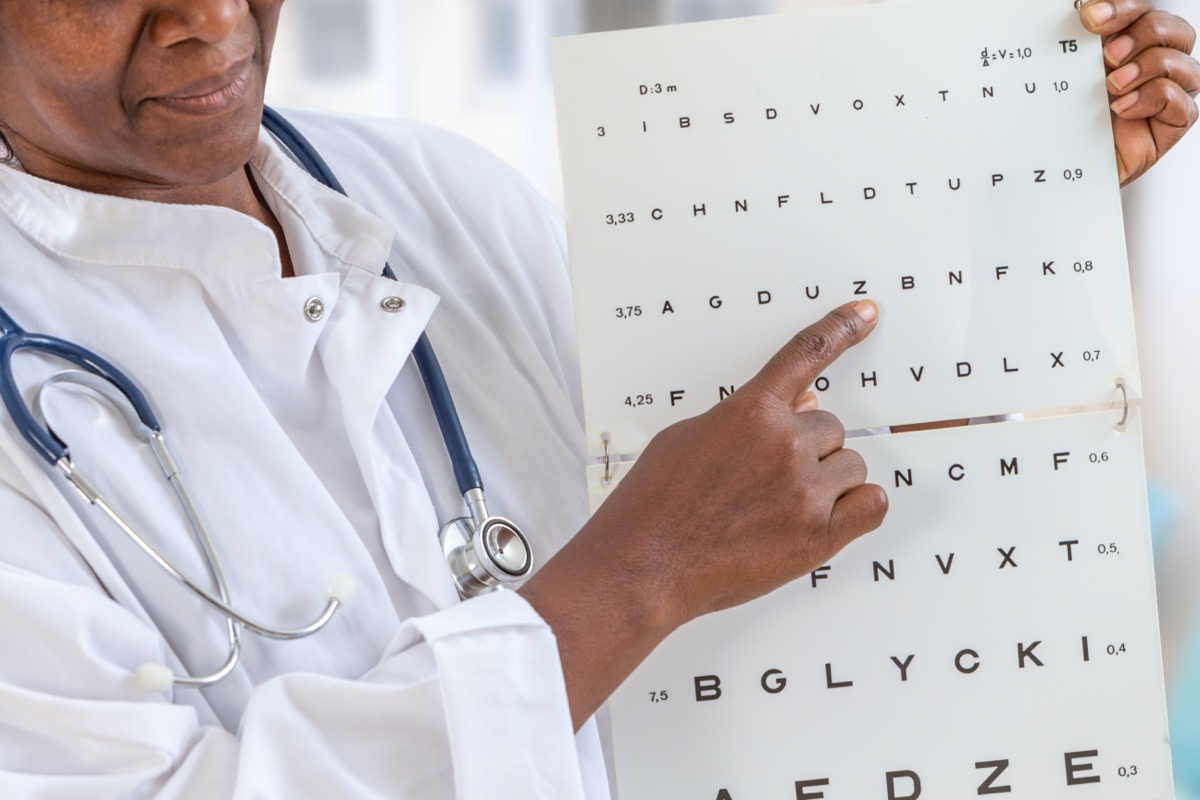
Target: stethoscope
x=483 y=552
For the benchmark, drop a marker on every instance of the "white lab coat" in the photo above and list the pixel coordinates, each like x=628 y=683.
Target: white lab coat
x=312 y=450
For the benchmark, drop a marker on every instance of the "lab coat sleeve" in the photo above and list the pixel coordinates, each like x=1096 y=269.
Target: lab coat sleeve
x=466 y=703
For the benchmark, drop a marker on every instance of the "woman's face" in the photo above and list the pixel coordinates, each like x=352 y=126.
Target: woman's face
x=110 y=95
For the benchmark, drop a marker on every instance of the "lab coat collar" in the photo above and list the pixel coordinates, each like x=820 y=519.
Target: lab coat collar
x=100 y=229
x=342 y=228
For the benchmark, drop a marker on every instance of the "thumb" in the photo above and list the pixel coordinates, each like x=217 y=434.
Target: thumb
x=802 y=360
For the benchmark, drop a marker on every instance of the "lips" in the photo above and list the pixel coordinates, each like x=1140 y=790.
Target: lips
x=213 y=94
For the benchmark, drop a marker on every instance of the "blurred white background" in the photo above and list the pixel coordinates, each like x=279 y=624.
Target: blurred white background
x=481 y=67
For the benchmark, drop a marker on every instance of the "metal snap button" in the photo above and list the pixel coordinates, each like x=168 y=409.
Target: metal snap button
x=314 y=309
x=393 y=304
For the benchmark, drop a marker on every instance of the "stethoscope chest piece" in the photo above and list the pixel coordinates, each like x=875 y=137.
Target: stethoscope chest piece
x=484 y=552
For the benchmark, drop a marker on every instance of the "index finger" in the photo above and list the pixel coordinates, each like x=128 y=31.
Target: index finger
x=802 y=360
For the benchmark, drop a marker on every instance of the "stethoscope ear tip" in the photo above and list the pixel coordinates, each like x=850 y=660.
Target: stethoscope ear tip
x=153 y=679
x=341 y=588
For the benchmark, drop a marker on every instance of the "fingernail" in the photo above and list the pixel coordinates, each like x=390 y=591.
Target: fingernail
x=1096 y=14
x=1125 y=103
x=807 y=402
x=866 y=310
x=1118 y=49
x=1124 y=76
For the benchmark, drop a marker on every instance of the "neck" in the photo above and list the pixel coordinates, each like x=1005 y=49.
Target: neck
x=262 y=212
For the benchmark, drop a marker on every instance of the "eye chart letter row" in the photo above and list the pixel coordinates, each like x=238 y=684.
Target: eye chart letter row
x=728 y=183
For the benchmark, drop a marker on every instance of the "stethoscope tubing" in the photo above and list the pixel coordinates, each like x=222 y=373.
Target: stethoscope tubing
x=478 y=544
x=13 y=339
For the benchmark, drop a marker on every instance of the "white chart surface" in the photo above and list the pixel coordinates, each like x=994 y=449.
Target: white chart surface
x=1003 y=616
x=871 y=153
x=728 y=183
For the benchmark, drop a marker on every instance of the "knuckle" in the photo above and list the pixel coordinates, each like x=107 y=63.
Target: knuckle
x=814 y=344
x=856 y=465
x=1187 y=105
x=824 y=340
x=1160 y=26
x=1157 y=61
x=827 y=422
x=1174 y=105
x=1156 y=91
x=847 y=324
x=1160 y=94
x=1169 y=64
x=1188 y=34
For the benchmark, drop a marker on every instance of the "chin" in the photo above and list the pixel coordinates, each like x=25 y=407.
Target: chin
x=205 y=150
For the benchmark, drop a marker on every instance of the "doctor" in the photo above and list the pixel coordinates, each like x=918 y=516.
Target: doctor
x=145 y=215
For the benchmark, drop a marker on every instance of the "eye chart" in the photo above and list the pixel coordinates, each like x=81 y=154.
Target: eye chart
x=998 y=631
x=950 y=161
x=729 y=183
